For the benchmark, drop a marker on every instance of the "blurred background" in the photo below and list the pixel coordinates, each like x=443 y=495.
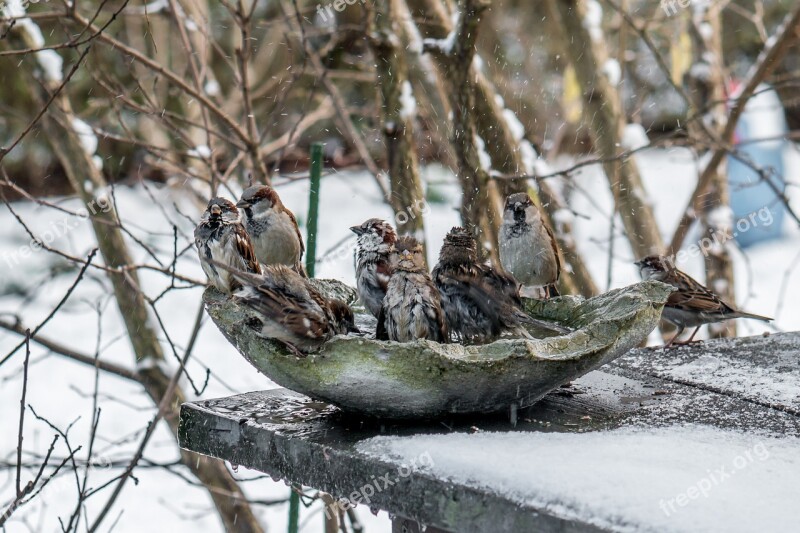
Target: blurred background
x=639 y=127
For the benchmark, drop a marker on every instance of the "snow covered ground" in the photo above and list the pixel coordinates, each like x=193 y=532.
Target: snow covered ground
x=60 y=390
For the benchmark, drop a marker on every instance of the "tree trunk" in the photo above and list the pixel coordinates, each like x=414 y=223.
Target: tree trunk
x=606 y=122
x=398 y=110
x=716 y=215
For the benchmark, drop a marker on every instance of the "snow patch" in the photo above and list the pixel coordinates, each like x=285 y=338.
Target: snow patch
x=622 y=479
x=634 y=137
x=201 y=151
x=720 y=218
x=16 y=9
x=612 y=71
x=86 y=136
x=51 y=64
x=563 y=217
x=516 y=127
x=486 y=161
x=212 y=87
x=593 y=20
x=408 y=104
x=706 y=31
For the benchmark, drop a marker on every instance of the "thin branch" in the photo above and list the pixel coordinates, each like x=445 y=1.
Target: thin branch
x=62 y=350
x=22 y=410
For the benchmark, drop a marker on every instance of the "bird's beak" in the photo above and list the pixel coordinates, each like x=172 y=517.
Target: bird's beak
x=216 y=210
x=357 y=230
x=638 y=263
x=517 y=206
x=243 y=204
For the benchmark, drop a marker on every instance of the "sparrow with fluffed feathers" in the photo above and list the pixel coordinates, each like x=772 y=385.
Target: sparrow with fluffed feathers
x=291 y=309
x=375 y=240
x=528 y=249
x=480 y=302
x=221 y=237
x=412 y=307
x=691 y=305
x=272 y=228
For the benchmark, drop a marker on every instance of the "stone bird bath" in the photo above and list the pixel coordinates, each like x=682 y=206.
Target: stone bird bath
x=424 y=379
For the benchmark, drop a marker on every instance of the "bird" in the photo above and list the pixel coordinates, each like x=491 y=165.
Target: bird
x=412 y=307
x=528 y=249
x=220 y=236
x=374 y=243
x=691 y=305
x=272 y=228
x=291 y=309
x=480 y=302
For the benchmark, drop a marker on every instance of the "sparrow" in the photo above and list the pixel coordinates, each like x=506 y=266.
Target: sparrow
x=375 y=240
x=272 y=228
x=480 y=302
x=692 y=305
x=412 y=307
x=221 y=237
x=292 y=310
x=528 y=248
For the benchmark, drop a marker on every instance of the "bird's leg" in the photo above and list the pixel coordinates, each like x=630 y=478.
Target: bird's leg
x=675 y=337
x=693 y=334
x=294 y=349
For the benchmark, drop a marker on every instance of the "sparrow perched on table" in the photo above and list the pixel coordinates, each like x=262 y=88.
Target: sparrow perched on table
x=480 y=302
x=528 y=248
x=220 y=236
x=291 y=309
x=375 y=240
x=272 y=228
x=412 y=307
x=692 y=305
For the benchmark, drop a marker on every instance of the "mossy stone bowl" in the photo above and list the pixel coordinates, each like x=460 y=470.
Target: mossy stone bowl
x=424 y=379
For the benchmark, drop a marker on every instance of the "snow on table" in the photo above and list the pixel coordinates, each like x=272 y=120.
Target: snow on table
x=677 y=478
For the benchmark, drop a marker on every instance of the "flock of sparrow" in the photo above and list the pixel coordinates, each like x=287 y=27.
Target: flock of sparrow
x=253 y=249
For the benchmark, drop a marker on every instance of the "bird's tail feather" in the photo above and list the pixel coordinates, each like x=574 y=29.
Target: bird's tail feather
x=245 y=278
x=742 y=314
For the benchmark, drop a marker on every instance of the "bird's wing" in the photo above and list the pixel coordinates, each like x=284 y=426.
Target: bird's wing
x=383 y=273
x=554 y=245
x=299 y=235
x=245 y=249
x=302 y=317
x=694 y=296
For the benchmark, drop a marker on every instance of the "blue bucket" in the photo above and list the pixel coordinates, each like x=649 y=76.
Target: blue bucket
x=759 y=211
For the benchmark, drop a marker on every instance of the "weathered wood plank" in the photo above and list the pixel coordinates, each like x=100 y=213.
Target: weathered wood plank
x=762 y=370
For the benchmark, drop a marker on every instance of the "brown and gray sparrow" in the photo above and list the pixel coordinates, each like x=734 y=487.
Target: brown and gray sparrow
x=221 y=237
x=480 y=302
x=291 y=309
x=692 y=305
x=412 y=307
x=528 y=248
x=272 y=228
x=375 y=240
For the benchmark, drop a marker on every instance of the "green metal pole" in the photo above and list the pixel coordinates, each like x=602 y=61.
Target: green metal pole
x=294 y=511
x=313 y=208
